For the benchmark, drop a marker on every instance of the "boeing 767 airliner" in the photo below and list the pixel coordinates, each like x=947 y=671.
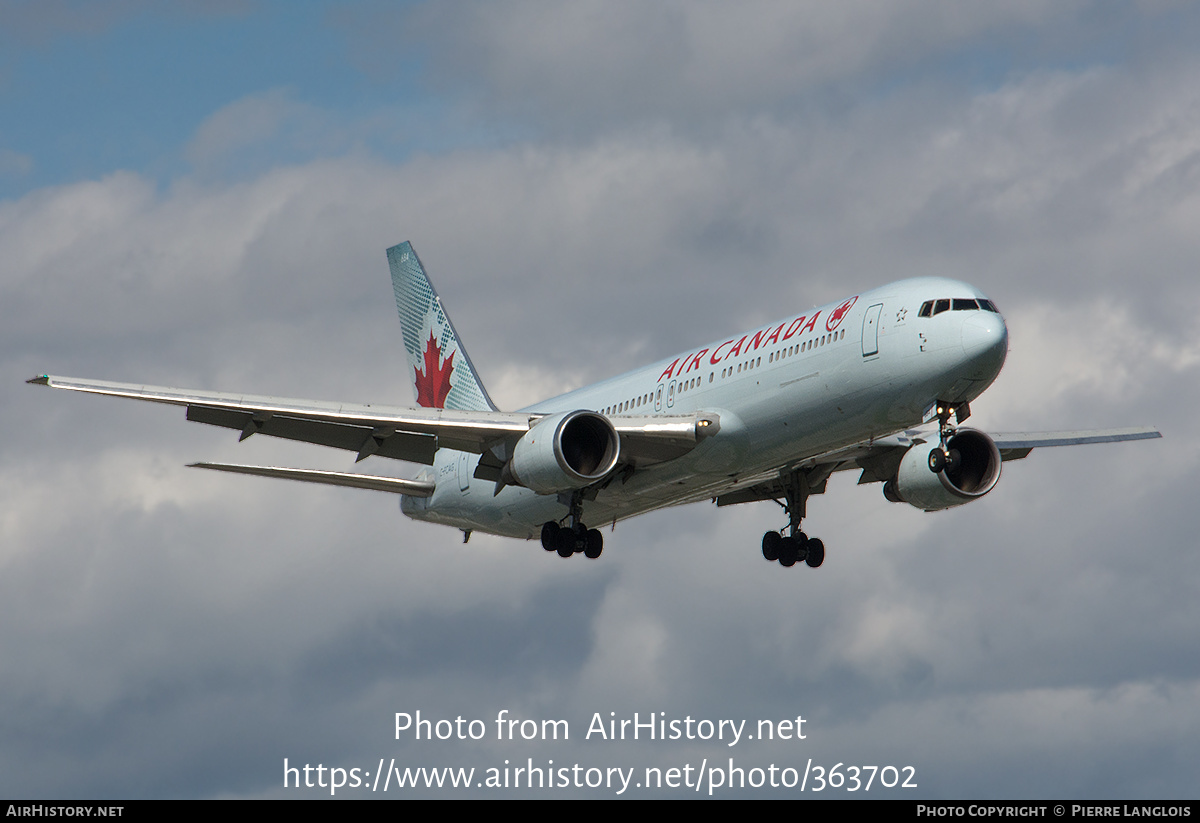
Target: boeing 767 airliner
x=877 y=383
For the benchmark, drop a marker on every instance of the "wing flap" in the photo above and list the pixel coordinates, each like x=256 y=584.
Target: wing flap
x=413 y=448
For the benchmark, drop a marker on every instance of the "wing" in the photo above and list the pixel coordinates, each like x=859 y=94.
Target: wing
x=413 y=435
x=1014 y=446
x=879 y=458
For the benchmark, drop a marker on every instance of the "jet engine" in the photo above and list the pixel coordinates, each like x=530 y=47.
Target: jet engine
x=564 y=451
x=970 y=472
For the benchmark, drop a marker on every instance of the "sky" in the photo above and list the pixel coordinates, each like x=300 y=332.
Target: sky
x=200 y=195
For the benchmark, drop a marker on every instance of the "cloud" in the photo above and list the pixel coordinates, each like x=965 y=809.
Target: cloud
x=590 y=64
x=260 y=130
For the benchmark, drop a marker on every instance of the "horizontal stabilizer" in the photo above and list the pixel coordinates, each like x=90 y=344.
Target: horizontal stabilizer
x=412 y=488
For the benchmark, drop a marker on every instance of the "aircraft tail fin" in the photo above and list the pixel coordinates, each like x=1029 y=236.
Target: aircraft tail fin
x=442 y=374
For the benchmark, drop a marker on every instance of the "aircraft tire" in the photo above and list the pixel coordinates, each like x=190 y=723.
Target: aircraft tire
x=595 y=544
x=578 y=537
x=789 y=552
x=550 y=536
x=566 y=543
x=937 y=461
x=816 y=553
x=770 y=545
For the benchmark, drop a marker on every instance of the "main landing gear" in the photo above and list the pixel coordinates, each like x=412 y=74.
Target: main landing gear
x=796 y=547
x=573 y=538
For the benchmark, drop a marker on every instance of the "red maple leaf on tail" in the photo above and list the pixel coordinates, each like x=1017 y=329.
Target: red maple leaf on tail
x=434 y=384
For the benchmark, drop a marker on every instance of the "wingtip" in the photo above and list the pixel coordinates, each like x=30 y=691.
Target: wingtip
x=43 y=380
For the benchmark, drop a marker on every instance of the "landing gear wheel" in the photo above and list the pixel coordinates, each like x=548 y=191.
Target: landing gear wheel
x=595 y=544
x=570 y=540
x=816 y=553
x=566 y=543
x=578 y=534
x=789 y=551
x=937 y=461
x=770 y=545
x=550 y=532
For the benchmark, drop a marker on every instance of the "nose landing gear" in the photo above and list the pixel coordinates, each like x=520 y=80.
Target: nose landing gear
x=943 y=458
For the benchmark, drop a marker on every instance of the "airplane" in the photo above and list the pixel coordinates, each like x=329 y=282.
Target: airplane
x=877 y=383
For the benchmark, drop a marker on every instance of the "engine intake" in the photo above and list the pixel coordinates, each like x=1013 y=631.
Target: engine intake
x=564 y=451
x=973 y=471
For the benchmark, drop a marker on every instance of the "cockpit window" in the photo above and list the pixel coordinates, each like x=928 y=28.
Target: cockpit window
x=932 y=308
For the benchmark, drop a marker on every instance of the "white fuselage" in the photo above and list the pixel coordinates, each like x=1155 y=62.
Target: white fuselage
x=810 y=383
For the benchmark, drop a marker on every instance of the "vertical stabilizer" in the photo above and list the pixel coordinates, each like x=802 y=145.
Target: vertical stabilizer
x=442 y=374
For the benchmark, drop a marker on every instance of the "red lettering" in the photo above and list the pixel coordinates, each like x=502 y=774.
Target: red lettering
x=792 y=329
x=694 y=363
x=737 y=349
x=757 y=339
x=668 y=371
x=714 y=359
x=774 y=338
x=811 y=323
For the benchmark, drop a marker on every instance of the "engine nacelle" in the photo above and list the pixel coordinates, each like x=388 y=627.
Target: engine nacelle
x=972 y=472
x=565 y=451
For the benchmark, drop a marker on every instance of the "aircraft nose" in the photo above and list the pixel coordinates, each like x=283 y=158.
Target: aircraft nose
x=985 y=343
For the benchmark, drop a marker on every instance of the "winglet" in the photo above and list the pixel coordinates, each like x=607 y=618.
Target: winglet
x=44 y=380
